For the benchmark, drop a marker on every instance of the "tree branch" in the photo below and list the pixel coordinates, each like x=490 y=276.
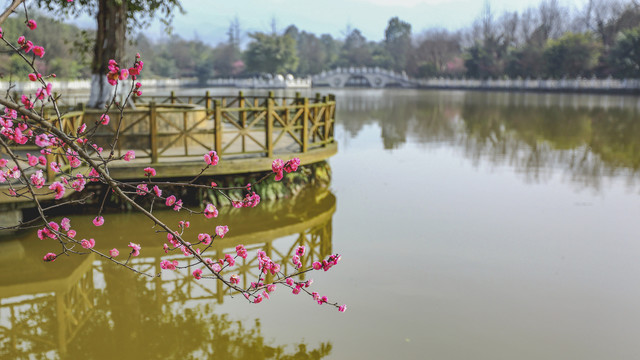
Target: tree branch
x=10 y=10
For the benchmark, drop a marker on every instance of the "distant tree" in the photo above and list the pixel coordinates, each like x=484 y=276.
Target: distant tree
x=624 y=58
x=436 y=47
x=571 y=55
x=271 y=53
x=226 y=55
x=331 y=49
x=525 y=62
x=355 y=50
x=397 y=41
x=114 y=18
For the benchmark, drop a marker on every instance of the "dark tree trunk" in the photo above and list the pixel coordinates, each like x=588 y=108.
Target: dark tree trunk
x=110 y=41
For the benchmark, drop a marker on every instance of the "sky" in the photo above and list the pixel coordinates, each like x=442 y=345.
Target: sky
x=208 y=20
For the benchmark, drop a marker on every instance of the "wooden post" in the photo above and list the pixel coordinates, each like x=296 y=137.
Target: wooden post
x=220 y=286
x=332 y=114
x=207 y=100
x=173 y=97
x=153 y=132
x=217 y=118
x=185 y=127
x=51 y=175
x=269 y=126
x=305 y=125
x=327 y=120
x=243 y=117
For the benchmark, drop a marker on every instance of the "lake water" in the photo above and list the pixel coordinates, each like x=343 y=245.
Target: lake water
x=471 y=226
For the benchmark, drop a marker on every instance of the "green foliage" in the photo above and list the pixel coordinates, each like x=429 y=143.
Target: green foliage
x=571 y=55
x=624 y=58
x=483 y=61
x=65 y=55
x=355 y=51
x=139 y=12
x=271 y=53
x=525 y=62
x=397 y=41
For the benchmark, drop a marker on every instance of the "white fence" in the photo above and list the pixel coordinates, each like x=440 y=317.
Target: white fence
x=278 y=82
x=81 y=85
x=587 y=85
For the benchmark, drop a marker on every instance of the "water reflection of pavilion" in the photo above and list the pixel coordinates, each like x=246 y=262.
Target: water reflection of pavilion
x=43 y=308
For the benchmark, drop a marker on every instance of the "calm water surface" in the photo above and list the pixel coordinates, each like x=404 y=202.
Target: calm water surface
x=471 y=225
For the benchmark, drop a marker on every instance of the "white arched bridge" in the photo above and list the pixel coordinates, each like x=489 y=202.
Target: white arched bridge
x=363 y=77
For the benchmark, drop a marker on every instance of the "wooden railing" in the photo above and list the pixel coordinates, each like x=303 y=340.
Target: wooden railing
x=163 y=127
x=175 y=128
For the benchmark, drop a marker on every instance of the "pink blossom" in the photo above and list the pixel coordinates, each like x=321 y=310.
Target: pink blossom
x=197 y=273
x=216 y=267
x=289 y=281
x=38 y=51
x=221 y=230
x=178 y=205
x=277 y=167
x=32 y=77
x=27 y=104
x=170 y=265
x=82 y=128
x=124 y=74
x=142 y=189
x=296 y=291
x=27 y=46
x=98 y=221
x=114 y=252
x=211 y=158
x=210 y=211
x=170 y=200
x=58 y=188
x=229 y=259
x=295 y=259
x=135 y=249
x=49 y=257
x=65 y=223
x=342 y=308
x=292 y=165
x=71 y=233
x=317 y=265
x=300 y=251
x=158 y=192
x=43 y=140
x=130 y=155
x=104 y=119
x=88 y=244
x=37 y=179
x=204 y=238
x=271 y=287
x=241 y=251
x=149 y=171
x=234 y=279
x=31 y=24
